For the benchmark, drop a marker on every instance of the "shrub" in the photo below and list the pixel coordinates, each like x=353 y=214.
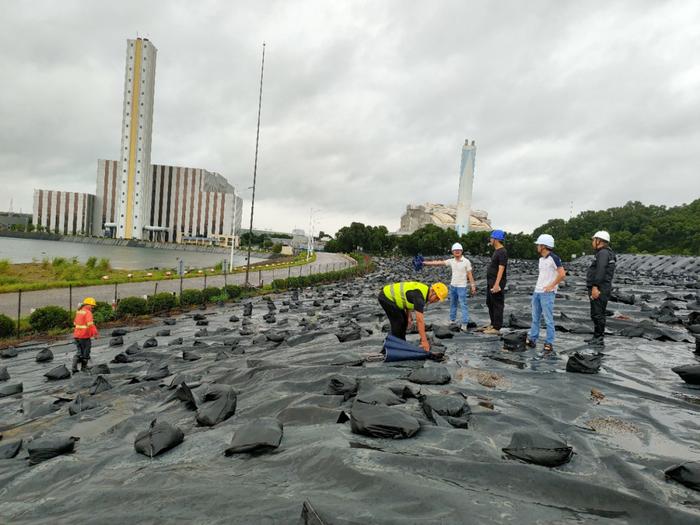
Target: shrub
x=104 y=265
x=91 y=262
x=220 y=298
x=4 y=265
x=162 y=302
x=132 y=306
x=210 y=292
x=232 y=291
x=58 y=262
x=191 y=296
x=49 y=317
x=7 y=326
x=103 y=312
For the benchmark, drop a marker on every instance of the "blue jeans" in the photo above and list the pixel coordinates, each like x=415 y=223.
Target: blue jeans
x=542 y=304
x=458 y=294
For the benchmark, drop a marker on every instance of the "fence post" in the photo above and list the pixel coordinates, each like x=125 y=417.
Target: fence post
x=155 y=288
x=70 y=297
x=289 y=272
x=180 y=286
x=19 y=310
x=259 y=277
x=225 y=282
x=115 y=292
x=205 y=279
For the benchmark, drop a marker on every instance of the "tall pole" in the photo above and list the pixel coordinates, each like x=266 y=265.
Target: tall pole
x=255 y=171
x=233 y=230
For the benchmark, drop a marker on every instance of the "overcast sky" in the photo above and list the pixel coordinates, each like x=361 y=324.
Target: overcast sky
x=366 y=105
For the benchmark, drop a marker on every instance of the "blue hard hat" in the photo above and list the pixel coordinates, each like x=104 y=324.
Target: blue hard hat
x=499 y=235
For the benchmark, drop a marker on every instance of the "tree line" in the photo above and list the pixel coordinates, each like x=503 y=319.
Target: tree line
x=634 y=228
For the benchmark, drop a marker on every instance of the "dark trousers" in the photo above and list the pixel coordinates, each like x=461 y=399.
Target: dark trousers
x=83 y=347
x=598 y=307
x=495 y=303
x=397 y=317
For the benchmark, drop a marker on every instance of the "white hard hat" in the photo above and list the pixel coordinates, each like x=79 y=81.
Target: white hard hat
x=457 y=246
x=546 y=240
x=602 y=235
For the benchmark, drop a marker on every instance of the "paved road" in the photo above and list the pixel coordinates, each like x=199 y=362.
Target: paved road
x=60 y=296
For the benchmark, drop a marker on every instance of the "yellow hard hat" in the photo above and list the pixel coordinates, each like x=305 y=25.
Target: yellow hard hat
x=440 y=290
x=90 y=300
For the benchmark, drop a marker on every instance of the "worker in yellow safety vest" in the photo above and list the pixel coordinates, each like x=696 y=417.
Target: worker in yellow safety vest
x=84 y=330
x=400 y=299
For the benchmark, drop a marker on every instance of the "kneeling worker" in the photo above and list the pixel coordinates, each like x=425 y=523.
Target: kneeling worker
x=399 y=299
x=83 y=332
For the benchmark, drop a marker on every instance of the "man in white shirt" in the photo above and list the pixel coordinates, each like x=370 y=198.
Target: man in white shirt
x=461 y=273
x=551 y=274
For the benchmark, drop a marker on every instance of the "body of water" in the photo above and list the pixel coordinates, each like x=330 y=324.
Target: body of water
x=122 y=257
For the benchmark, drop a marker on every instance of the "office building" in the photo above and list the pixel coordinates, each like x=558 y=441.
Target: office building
x=63 y=212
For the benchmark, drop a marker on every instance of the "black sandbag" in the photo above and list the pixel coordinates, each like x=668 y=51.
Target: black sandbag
x=99 y=385
x=4 y=374
x=46 y=448
x=352 y=333
x=378 y=395
x=169 y=322
x=233 y=319
x=382 y=422
x=339 y=385
x=10 y=450
x=188 y=355
x=156 y=371
x=160 y=437
x=687 y=474
x=430 y=375
x=514 y=322
x=175 y=342
x=688 y=373
x=122 y=358
x=259 y=435
x=151 y=342
x=55 y=374
x=163 y=333
x=116 y=341
x=584 y=363
x=447 y=405
x=199 y=317
x=44 y=355
x=101 y=369
x=514 y=342
x=8 y=353
x=248 y=309
x=10 y=390
x=81 y=404
x=132 y=349
x=275 y=337
x=539 y=448
x=203 y=322
x=617 y=296
x=118 y=332
x=222 y=408
x=442 y=332
x=201 y=333
x=184 y=393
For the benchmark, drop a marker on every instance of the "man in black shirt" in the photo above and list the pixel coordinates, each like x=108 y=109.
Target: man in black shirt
x=496 y=278
x=599 y=284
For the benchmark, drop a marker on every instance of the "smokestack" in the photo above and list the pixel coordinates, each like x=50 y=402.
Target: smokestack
x=466 y=183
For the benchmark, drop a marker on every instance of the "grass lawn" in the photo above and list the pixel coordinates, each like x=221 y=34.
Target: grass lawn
x=61 y=273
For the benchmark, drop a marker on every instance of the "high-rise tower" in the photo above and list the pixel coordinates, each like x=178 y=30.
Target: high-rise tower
x=466 y=183
x=134 y=188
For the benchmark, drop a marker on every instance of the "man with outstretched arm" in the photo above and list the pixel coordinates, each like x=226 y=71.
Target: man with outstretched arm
x=551 y=273
x=599 y=284
x=400 y=299
x=461 y=273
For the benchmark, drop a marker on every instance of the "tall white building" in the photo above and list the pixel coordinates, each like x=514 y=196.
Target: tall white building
x=466 y=183
x=133 y=204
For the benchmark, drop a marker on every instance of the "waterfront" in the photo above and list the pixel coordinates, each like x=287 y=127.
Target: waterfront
x=123 y=257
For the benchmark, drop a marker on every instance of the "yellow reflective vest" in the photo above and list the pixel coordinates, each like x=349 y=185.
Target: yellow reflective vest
x=397 y=293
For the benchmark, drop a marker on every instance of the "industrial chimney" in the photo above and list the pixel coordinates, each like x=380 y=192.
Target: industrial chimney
x=466 y=183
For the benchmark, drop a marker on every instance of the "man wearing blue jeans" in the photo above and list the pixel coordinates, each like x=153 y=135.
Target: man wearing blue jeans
x=551 y=273
x=461 y=273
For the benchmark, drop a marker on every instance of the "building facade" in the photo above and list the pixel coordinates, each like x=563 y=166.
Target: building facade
x=63 y=212
x=466 y=184
x=133 y=200
x=187 y=205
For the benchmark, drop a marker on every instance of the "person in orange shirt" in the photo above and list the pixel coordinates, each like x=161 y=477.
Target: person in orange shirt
x=83 y=332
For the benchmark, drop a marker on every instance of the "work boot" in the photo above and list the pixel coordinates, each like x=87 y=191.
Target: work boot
x=482 y=328
x=596 y=341
x=84 y=366
x=75 y=364
x=492 y=331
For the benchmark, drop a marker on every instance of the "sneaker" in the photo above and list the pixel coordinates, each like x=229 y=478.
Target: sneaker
x=530 y=342
x=492 y=331
x=548 y=347
x=464 y=327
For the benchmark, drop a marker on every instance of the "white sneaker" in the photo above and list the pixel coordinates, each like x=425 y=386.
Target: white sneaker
x=464 y=328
